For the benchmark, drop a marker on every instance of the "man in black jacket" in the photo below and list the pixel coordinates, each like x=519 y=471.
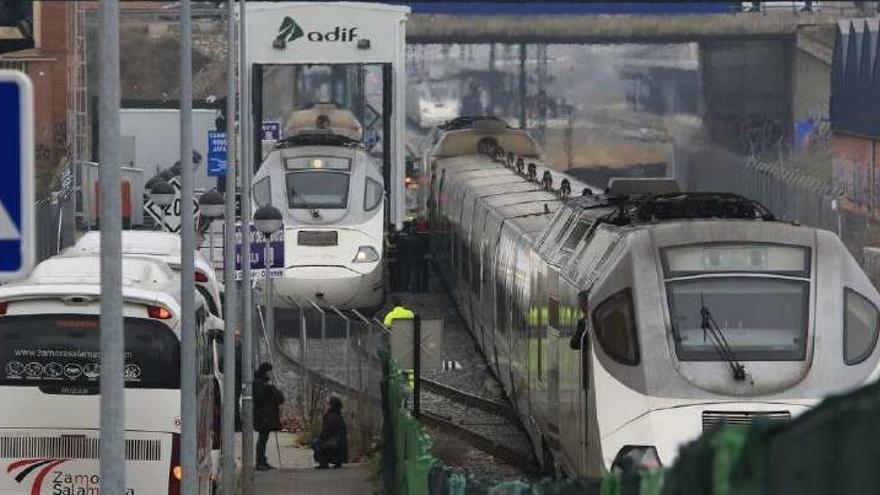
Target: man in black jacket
x=584 y=307
x=267 y=413
x=331 y=446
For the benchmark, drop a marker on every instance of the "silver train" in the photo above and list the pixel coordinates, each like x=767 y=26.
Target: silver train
x=331 y=194
x=702 y=307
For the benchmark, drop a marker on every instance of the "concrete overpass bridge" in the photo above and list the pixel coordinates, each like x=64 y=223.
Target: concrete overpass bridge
x=768 y=69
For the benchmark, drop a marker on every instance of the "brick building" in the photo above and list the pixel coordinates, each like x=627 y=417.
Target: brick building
x=45 y=54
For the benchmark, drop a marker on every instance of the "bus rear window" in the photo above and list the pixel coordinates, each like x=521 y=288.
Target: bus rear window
x=62 y=351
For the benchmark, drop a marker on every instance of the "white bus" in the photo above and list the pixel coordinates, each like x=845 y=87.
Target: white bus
x=163 y=246
x=49 y=372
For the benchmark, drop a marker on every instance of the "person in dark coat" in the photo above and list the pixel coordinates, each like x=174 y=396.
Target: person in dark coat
x=331 y=446
x=267 y=412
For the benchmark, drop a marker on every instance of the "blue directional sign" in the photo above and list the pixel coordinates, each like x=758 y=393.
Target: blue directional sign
x=216 y=153
x=16 y=174
x=271 y=131
x=258 y=254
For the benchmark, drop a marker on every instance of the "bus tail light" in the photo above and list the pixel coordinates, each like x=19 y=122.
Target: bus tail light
x=3 y=307
x=158 y=312
x=174 y=473
x=201 y=277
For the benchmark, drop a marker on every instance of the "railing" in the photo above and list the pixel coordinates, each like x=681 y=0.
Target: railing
x=333 y=351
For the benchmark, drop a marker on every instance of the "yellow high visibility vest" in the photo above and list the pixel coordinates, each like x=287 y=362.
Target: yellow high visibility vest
x=398 y=312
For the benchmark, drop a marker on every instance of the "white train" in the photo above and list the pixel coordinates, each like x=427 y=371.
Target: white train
x=702 y=307
x=331 y=194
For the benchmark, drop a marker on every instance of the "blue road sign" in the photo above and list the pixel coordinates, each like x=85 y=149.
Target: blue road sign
x=17 y=172
x=258 y=254
x=271 y=131
x=216 y=153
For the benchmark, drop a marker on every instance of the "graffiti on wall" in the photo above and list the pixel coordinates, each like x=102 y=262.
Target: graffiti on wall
x=854 y=169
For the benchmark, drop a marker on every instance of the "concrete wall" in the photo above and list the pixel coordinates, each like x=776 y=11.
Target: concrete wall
x=811 y=87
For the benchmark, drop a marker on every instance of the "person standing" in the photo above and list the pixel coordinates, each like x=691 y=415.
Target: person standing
x=331 y=446
x=583 y=299
x=267 y=412
x=398 y=312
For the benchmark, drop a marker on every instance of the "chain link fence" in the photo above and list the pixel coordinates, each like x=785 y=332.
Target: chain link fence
x=790 y=194
x=327 y=351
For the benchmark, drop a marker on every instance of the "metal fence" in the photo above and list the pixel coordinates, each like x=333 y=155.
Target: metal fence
x=788 y=193
x=331 y=351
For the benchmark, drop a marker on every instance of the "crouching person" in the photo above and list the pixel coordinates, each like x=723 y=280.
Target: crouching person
x=331 y=446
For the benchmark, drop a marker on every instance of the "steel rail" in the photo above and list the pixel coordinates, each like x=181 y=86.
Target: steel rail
x=507 y=454
x=482 y=403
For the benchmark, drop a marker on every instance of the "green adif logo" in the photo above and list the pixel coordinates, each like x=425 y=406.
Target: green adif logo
x=290 y=31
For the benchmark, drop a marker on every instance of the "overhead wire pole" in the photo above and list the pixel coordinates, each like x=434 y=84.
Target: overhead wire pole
x=112 y=422
x=247 y=338
x=188 y=385
x=227 y=419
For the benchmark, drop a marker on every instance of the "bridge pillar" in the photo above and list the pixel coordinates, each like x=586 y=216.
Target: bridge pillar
x=747 y=90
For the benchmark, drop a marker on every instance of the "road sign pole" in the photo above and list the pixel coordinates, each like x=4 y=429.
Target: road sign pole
x=268 y=303
x=188 y=386
x=227 y=426
x=112 y=445
x=247 y=338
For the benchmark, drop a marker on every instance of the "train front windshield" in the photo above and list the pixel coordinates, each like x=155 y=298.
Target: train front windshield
x=61 y=353
x=317 y=189
x=756 y=294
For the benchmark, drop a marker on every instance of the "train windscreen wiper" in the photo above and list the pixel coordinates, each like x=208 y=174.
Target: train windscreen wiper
x=719 y=342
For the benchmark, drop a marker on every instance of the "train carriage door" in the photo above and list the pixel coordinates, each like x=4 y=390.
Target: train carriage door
x=520 y=309
x=551 y=363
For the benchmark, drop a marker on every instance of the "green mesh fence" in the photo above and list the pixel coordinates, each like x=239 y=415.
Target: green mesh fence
x=831 y=449
x=410 y=468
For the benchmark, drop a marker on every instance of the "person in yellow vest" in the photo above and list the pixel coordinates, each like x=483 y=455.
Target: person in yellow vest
x=400 y=312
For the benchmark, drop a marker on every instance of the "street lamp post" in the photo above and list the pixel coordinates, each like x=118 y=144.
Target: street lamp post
x=211 y=206
x=162 y=193
x=268 y=220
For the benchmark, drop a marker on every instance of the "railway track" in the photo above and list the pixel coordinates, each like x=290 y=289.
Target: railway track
x=488 y=405
x=512 y=456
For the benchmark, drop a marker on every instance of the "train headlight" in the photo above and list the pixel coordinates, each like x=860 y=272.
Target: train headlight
x=636 y=457
x=366 y=254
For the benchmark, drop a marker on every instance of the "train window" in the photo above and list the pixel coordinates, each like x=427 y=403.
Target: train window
x=615 y=325
x=553 y=309
x=263 y=192
x=762 y=319
x=564 y=228
x=317 y=189
x=577 y=233
x=373 y=195
x=860 y=327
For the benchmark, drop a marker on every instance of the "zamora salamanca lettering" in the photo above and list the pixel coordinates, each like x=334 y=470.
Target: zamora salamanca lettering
x=64 y=483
